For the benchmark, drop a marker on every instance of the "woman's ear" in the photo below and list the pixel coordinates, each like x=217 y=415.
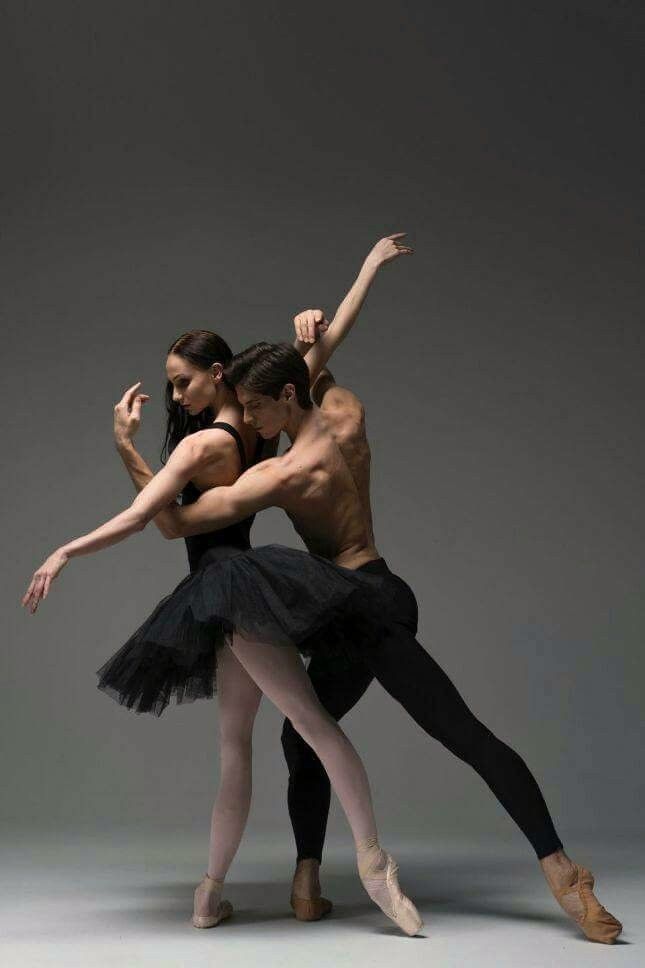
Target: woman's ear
x=289 y=391
x=217 y=372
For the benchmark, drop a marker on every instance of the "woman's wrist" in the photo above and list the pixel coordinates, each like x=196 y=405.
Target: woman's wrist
x=123 y=444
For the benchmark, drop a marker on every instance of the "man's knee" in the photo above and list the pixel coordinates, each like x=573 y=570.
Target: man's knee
x=470 y=740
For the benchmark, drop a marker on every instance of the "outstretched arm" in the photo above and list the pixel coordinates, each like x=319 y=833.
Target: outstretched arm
x=312 y=322
x=162 y=489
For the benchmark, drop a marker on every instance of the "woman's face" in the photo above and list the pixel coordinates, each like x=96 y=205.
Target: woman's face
x=193 y=389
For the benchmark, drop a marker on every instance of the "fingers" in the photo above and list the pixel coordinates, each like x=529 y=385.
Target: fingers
x=32 y=596
x=126 y=399
x=395 y=248
x=27 y=595
x=396 y=235
x=306 y=324
x=140 y=399
x=314 y=316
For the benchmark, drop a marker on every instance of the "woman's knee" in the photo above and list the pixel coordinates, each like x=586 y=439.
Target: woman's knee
x=237 y=737
x=311 y=722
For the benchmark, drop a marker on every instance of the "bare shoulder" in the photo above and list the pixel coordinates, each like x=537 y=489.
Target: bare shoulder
x=344 y=415
x=206 y=446
x=340 y=401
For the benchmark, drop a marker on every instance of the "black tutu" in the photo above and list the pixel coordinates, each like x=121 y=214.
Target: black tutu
x=272 y=594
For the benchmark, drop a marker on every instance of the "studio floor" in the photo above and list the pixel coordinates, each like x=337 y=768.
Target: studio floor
x=124 y=898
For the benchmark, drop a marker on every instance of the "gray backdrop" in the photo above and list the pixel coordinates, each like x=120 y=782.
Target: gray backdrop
x=172 y=165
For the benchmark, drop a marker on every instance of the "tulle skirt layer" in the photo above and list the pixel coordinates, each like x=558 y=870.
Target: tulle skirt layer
x=270 y=594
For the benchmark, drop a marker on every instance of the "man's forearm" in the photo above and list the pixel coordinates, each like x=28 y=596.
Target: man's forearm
x=140 y=475
x=215 y=509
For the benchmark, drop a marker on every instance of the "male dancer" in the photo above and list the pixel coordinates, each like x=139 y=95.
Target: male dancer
x=410 y=675
x=307 y=482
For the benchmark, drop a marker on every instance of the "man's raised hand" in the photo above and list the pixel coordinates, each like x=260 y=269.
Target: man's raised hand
x=309 y=324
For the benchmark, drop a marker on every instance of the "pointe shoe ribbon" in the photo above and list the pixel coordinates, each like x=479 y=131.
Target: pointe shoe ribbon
x=223 y=910
x=596 y=922
x=382 y=885
x=310 y=909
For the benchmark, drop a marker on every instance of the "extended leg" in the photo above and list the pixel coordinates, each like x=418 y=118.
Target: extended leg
x=280 y=674
x=338 y=684
x=412 y=676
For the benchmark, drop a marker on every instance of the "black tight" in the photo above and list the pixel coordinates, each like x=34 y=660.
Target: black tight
x=413 y=678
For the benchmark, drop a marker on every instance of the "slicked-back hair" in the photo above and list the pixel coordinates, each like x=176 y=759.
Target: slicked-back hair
x=202 y=348
x=266 y=367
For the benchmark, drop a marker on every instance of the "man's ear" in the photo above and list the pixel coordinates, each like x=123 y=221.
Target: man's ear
x=289 y=392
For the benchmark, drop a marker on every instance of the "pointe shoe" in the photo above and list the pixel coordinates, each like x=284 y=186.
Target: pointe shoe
x=310 y=909
x=382 y=885
x=596 y=922
x=224 y=908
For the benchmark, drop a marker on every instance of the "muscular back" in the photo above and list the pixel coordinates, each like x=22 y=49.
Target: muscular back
x=345 y=419
x=322 y=495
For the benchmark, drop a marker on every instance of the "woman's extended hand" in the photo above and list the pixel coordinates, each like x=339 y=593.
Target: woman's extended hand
x=43 y=578
x=127 y=414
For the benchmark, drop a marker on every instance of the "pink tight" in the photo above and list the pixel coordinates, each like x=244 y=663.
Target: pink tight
x=245 y=671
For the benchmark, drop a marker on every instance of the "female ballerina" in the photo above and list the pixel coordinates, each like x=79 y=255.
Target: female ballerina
x=254 y=609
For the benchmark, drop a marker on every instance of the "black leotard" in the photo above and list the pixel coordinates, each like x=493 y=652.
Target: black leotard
x=235 y=535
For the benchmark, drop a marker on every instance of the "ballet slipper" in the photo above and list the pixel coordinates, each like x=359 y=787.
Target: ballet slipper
x=378 y=872
x=223 y=910
x=586 y=910
x=310 y=909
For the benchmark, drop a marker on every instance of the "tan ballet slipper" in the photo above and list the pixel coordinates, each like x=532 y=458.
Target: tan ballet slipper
x=586 y=910
x=379 y=876
x=223 y=909
x=310 y=909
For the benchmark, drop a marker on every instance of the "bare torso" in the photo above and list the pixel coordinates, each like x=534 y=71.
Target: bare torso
x=322 y=496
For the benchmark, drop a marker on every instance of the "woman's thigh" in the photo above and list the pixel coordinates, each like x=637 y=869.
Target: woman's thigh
x=238 y=696
x=279 y=672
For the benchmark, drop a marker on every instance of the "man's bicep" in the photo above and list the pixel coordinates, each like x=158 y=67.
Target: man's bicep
x=260 y=487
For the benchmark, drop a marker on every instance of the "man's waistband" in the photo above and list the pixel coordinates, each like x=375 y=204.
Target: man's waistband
x=378 y=566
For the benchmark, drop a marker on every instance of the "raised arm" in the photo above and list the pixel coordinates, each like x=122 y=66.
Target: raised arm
x=311 y=324
x=183 y=463
x=127 y=419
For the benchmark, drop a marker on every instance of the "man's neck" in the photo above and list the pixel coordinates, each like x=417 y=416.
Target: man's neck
x=299 y=422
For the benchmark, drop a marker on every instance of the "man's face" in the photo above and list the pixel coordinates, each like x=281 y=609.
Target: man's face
x=263 y=413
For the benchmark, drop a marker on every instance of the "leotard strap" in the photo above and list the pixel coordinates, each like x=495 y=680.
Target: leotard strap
x=222 y=425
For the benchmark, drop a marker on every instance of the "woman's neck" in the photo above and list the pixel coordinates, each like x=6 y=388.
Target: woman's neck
x=226 y=406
